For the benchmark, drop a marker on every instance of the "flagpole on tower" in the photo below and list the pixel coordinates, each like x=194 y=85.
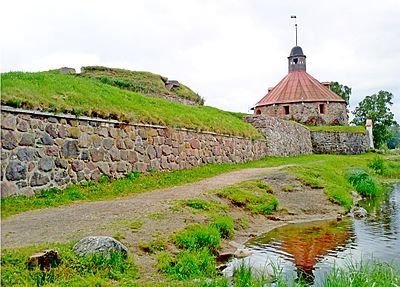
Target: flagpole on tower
x=295 y=25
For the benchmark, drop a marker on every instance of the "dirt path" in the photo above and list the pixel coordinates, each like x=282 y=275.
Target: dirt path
x=77 y=220
x=152 y=215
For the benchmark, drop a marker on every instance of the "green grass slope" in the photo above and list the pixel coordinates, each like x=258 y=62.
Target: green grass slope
x=140 y=82
x=78 y=95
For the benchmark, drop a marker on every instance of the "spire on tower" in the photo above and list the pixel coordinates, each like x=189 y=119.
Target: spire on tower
x=295 y=25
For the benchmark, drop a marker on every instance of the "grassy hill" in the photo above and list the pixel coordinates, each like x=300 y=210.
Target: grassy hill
x=141 y=82
x=83 y=95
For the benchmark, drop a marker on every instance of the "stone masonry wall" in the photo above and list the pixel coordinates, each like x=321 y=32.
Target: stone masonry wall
x=309 y=113
x=339 y=142
x=42 y=150
x=283 y=138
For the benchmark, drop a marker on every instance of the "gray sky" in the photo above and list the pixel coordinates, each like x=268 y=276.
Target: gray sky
x=229 y=52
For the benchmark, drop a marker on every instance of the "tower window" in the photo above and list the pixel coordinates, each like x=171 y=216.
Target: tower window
x=286 y=110
x=295 y=60
x=322 y=108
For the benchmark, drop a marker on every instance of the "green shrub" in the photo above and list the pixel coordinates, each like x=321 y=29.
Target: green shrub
x=363 y=182
x=188 y=264
x=378 y=165
x=133 y=175
x=104 y=179
x=197 y=236
x=225 y=226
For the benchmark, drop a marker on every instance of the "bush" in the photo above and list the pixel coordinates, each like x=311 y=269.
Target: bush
x=378 y=165
x=363 y=182
x=188 y=264
x=197 y=236
x=225 y=226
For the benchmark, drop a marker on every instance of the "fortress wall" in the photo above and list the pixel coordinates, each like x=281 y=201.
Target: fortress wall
x=339 y=142
x=283 y=138
x=42 y=150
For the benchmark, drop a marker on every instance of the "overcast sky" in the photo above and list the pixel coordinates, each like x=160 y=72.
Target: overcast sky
x=229 y=52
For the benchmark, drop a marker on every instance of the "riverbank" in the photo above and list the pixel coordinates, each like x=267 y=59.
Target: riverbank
x=146 y=222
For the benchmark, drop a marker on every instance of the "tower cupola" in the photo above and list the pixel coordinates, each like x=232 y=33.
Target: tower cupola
x=297 y=59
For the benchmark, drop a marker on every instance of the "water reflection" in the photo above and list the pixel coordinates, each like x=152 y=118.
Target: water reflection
x=305 y=244
x=310 y=250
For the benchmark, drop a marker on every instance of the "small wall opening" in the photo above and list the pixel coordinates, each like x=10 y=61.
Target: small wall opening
x=322 y=108
x=258 y=112
x=286 y=110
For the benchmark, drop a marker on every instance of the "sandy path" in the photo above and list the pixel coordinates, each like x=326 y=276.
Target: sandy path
x=81 y=219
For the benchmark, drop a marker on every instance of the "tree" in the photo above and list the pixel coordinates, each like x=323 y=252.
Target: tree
x=376 y=108
x=341 y=90
x=394 y=140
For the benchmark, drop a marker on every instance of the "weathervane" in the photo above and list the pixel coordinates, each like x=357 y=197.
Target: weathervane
x=295 y=25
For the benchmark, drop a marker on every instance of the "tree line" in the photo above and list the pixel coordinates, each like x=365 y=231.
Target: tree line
x=386 y=130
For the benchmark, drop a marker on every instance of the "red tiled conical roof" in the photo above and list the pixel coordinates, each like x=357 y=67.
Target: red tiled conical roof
x=298 y=86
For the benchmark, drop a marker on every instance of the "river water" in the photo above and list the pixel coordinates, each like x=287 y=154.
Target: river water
x=310 y=250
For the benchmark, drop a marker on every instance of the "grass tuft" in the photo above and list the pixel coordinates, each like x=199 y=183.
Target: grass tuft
x=363 y=182
x=253 y=195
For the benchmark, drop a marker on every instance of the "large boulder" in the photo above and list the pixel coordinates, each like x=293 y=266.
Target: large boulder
x=103 y=245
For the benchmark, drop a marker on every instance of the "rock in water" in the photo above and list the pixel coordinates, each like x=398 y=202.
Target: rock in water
x=360 y=213
x=104 y=245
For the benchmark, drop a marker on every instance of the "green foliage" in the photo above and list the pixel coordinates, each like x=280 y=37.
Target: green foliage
x=73 y=94
x=188 y=264
x=376 y=108
x=104 y=179
x=224 y=225
x=198 y=204
x=363 y=182
x=378 y=165
x=341 y=90
x=197 y=236
x=394 y=140
x=244 y=277
x=72 y=270
x=372 y=273
x=253 y=195
x=133 y=175
x=210 y=206
x=340 y=129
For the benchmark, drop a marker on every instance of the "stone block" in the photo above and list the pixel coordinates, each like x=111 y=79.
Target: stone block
x=27 y=154
x=15 y=171
x=77 y=165
x=151 y=152
x=108 y=143
x=51 y=129
x=39 y=179
x=166 y=150
x=46 y=163
x=47 y=139
x=194 y=143
x=74 y=132
x=27 y=139
x=23 y=126
x=70 y=149
x=97 y=154
x=8 y=122
x=114 y=154
x=8 y=188
x=61 y=163
x=132 y=157
x=84 y=140
x=9 y=140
